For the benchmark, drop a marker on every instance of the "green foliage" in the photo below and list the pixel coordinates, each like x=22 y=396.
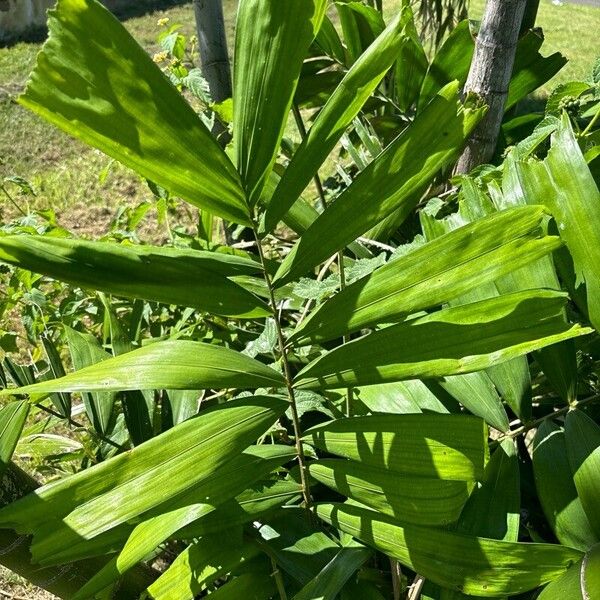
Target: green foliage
x=277 y=418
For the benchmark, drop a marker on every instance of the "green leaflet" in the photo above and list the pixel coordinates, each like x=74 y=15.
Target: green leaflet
x=473 y=565
x=337 y=114
x=564 y=184
x=451 y=62
x=441 y=270
x=272 y=40
x=86 y=351
x=328 y=583
x=146 y=272
x=419 y=500
x=400 y=397
x=556 y=490
x=476 y=392
x=117 y=490
x=394 y=179
x=253 y=464
x=249 y=586
x=493 y=510
x=200 y=564
x=580 y=582
x=452 y=447
x=251 y=504
x=105 y=90
x=582 y=436
x=451 y=341
x=12 y=419
x=172 y=364
x=411 y=66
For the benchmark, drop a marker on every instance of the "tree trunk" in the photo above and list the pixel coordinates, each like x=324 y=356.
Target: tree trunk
x=214 y=55
x=490 y=74
x=64 y=580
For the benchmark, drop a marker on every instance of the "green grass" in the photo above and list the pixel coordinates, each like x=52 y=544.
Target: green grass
x=66 y=174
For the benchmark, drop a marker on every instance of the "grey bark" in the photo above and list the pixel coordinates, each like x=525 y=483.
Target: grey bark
x=490 y=74
x=214 y=55
x=64 y=580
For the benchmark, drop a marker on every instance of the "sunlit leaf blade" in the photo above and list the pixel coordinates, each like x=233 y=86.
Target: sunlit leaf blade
x=452 y=341
x=146 y=272
x=582 y=436
x=451 y=61
x=172 y=364
x=272 y=40
x=493 y=510
x=452 y=447
x=564 y=184
x=531 y=70
x=243 y=470
x=117 y=490
x=249 y=586
x=411 y=66
x=556 y=490
x=85 y=351
x=201 y=563
x=393 y=180
x=476 y=392
x=432 y=274
x=580 y=582
x=128 y=109
x=337 y=114
x=12 y=419
x=473 y=565
x=419 y=500
x=328 y=583
x=254 y=503
x=400 y=397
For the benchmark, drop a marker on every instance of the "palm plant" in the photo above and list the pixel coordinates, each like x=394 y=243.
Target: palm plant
x=401 y=373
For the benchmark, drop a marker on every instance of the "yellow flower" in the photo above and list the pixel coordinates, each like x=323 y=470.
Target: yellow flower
x=160 y=57
x=162 y=22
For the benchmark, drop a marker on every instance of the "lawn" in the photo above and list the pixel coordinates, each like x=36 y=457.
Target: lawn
x=85 y=189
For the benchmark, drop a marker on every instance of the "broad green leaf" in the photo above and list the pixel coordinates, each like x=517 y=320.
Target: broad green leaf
x=452 y=341
x=272 y=40
x=181 y=405
x=12 y=419
x=146 y=272
x=199 y=564
x=252 y=504
x=580 y=582
x=117 y=490
x=438 y=271
x=86 y=351
x=401 y=397
x=531 y=70
x=329 y=40
x=393 y=180
x=493 y=510
x=419 y=500
x=138 y=406
x=333 y=120
x=411 y=66
x=556 y=490
x=451 y=62
x=105 y=90
x=172 y=364
x=62 y=402
x=249 y=586
x=582 y=436
x=452 y=447
x=328 y=583
x=297 y=544
x=564 y=184
x=473 y=565
x=243 y=470
x=476 y=392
